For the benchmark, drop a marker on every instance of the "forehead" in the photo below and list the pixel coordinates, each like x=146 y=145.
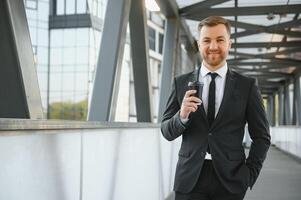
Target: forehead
x=219 y=30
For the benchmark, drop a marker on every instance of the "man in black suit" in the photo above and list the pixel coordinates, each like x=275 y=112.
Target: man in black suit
x=212 y=163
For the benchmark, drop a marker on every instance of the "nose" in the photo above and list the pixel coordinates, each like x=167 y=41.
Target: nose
x=213 y=45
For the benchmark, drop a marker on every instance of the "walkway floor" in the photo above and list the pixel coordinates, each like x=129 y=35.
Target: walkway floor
x=279 y=179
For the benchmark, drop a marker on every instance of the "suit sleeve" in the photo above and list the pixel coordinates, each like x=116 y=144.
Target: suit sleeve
x=258 y=127
x=171 y=125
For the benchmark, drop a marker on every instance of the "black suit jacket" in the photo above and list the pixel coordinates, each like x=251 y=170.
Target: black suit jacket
x=241 y=104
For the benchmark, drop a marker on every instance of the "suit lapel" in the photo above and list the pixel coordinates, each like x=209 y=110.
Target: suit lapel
x=229 y=85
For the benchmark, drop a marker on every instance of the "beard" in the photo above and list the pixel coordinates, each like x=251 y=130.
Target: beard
x=214 y=58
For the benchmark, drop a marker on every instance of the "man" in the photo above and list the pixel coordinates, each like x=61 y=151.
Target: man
x=212 y=163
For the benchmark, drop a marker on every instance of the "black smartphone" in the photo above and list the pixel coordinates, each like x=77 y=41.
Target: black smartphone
x=198 y=86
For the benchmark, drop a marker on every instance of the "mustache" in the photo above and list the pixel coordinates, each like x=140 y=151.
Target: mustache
x=213 y=52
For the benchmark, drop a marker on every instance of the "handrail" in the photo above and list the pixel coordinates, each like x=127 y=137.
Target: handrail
x=28 y=124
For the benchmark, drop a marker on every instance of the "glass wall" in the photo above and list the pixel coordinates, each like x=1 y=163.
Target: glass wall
x=66 y=59
x=73 y=56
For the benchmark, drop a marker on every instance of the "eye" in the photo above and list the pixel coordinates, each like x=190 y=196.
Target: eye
x=220 y=40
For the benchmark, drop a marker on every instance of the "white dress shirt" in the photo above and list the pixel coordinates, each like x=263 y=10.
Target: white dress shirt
x=220 y=81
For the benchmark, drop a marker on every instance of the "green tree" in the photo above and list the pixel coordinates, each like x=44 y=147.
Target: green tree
x=69 y=110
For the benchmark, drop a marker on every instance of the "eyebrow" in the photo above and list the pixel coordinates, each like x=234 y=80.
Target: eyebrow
x=216 y=37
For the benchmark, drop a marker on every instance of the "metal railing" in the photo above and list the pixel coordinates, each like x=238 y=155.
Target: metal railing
x=288 y=139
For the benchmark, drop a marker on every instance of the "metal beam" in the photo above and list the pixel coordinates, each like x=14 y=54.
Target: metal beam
x=265 y=30
x=271 y=110
x=270 y=83
x=270 y=65
x=277 y=29
x=280 y=107
x=254 y=69
x=285 y=61
x=268 y=90
x=107 y=75
x=19 y=88
x=268 y=76
x=273 y=105
x=140 y=60
x=200 y=5
x=75 y=21
x=266 y=55
x=267 y=44
x=168 y=64
x=285 y=51
x=268 y=87
x=287 y=106
x=278 y=26
x=297 y=101
x=252 y=72
x=170 y=9
x=293 y=23
x=243 y=11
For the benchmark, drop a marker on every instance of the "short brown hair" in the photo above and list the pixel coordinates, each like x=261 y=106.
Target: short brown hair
x=214 y=21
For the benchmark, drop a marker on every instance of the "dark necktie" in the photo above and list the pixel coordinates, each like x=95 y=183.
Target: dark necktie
x=211 y=99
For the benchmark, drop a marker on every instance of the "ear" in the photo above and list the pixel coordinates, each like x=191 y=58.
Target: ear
x=198 y=42
x=230 y=43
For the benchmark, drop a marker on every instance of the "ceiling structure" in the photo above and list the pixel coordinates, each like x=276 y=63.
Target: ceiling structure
x=266 y=36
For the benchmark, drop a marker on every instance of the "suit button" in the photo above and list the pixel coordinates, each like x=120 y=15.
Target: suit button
x=210 y=134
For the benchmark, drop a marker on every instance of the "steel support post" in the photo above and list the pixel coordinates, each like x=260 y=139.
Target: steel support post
x=19 y=88
x=104 y=95
x=168 y=65
x=281 y=107
x=140 y=60
x=297 y=102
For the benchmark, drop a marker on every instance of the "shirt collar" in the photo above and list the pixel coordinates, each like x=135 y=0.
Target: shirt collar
x=221 y=71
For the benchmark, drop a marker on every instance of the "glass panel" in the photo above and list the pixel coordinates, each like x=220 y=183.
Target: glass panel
x=69 y=56
x=82 y=37
x=161 y=40
x=43 y=11
x=70 y=6
x=81 y=81
x=42 y=37
x=31 y=4
x=56 y=38
x=55 y=57
x=42 y=55
x=69 y=37
x=33 y=36
x=157 y=19
x=60 y=7
x=94 y=7
x=82 y=55
x=67 y=82
x=152 y=38
x=81 y=6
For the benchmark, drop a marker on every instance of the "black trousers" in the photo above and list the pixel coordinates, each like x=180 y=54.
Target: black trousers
x=209 y=187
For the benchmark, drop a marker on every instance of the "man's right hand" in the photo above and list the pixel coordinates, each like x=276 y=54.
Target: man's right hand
x=189 y=104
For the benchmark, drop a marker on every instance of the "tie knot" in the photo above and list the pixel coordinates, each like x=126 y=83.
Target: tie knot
x=213 y=75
